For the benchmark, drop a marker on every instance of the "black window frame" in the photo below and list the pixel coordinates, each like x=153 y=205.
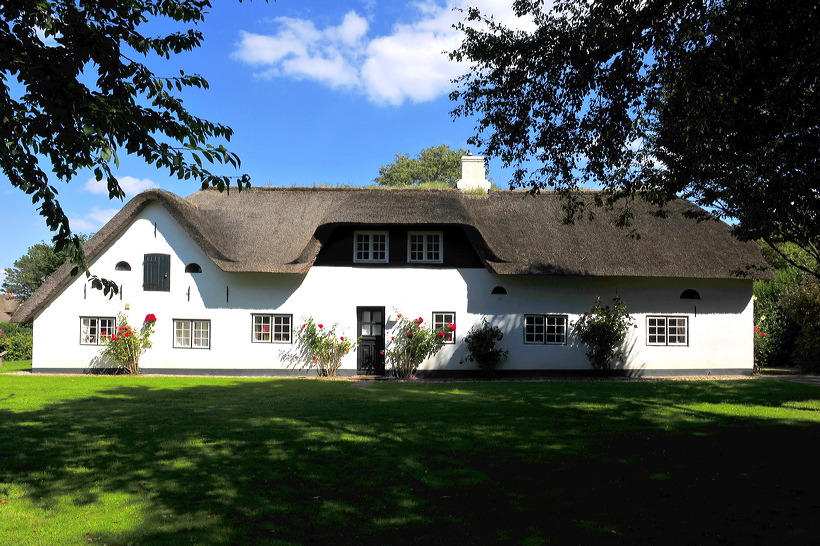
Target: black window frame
x=449 y=335
x=191 y=331
x=547 y=330
x=272 y=328
x=651 y=330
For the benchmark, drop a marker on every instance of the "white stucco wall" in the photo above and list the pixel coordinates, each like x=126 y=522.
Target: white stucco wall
x=720 y=324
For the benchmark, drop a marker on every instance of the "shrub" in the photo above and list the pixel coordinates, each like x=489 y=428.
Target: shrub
x=16 y=340
x=772 y=319
x=481 y=347
x=126 y=346
x=322 y=348
x=787 y=310
x=603 y=331
x=411 y=343
x=803 y=307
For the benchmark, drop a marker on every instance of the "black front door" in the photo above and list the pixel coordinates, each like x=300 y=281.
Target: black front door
x=370 y=324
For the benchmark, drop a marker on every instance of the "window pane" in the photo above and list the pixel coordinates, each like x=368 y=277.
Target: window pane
x=281 y=328
x=89 y=331
x=656 y=330
x=677 y=330
x=201 y=338
x=441 y=322
x=261 y=328
x=556 y=330
x=533 y=329
x=106 y=329
x=182 y=333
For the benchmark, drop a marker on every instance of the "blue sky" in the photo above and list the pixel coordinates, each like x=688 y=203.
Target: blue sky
x=316 y=92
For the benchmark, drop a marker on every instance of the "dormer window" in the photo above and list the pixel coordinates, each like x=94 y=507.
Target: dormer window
x=122 y=266
x=424 y=247
x=370 y=247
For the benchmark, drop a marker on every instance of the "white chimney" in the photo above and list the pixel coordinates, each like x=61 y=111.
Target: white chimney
x=472 y=174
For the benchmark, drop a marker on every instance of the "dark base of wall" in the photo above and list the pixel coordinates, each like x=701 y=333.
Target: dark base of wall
x=534 y=374
x=421 y=374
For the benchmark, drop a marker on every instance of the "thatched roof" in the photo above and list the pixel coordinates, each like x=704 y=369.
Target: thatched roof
x=274 y=230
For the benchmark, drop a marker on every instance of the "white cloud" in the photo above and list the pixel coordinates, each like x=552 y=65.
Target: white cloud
x=92 y=221
x=408 y=64
x=130 y=185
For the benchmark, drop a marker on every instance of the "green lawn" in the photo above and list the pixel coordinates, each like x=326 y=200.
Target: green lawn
x=17 y=366
x=158 y=460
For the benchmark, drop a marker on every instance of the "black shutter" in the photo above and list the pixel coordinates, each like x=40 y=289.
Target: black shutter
x=157 y=272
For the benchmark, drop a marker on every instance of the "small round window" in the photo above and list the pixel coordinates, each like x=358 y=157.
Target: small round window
x=690 y=294
x=193 y=268
x=123 y=266
x=499 y=290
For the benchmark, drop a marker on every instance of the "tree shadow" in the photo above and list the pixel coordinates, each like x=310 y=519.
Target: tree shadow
x=317 y=461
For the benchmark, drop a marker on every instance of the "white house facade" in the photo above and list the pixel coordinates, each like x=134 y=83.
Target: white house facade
x=230 y=277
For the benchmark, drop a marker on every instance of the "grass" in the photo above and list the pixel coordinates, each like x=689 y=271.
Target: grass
x=167 y=460
x=15 y=366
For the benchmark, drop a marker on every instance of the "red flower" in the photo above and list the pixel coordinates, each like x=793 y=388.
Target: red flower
x=150 y=317
x=127 y=334
x=321 y=326
x=393 y=338
x=452 y=326
x=381 y=352
x=409 y=334
x=114 y=338
x=342 y=338
x=399 y=315
x=763 y=334
x=315 y=358
x=419 y=328
x=419 y=320
x=303 y=326
x=441 y=334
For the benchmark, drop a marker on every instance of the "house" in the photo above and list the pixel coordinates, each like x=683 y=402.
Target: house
x=231 y=275
x=8 y=304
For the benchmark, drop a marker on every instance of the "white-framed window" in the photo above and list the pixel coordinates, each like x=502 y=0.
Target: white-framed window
x=272 y=328
x=370 y=247
x=442 y=321
x=425 y=247
x=96 y=330
x=667 y=331
x=192 y=334
x=545 y=329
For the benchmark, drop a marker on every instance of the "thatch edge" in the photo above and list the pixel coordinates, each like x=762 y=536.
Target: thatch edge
x=182 y=211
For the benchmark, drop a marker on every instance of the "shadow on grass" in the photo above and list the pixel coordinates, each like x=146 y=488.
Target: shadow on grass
x=335 y=462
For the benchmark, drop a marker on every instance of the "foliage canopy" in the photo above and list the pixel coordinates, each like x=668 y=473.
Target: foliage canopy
x=74 y=96
x=437 y=165
x=713 y=101
x=32 y=269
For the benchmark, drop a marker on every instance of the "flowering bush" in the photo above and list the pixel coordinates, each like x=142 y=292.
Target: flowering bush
x=603 y=331
x=481 y=347
x=322 y=348
x=125 y=346
x=15 y=341
x=411 y=343
x=759 y=346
